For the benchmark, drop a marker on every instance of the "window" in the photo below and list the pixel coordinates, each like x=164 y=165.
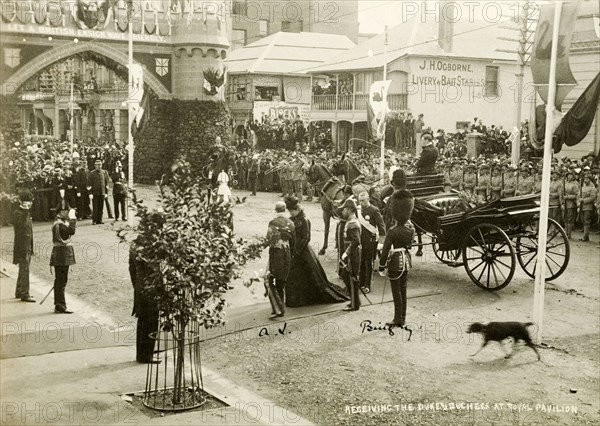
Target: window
x=263 y=27
x=291 y=26
x=266 y=93
x=238 y=39
x=491 y=81
x=240 y=7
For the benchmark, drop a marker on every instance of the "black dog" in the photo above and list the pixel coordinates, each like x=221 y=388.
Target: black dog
x=499 y=331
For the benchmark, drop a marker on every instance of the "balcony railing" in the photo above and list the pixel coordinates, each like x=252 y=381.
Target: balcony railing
x=353 y=102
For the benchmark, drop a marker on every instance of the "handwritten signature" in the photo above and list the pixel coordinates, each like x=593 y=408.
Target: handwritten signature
x=367 y=326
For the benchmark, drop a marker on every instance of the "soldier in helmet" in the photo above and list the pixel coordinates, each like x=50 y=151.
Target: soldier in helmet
x=496 y=183
x=509 y=182
x=571 y=198
x=470 y=179
x=525 y=185
x=351 y=257
x=588 y=197
x=556 y=198
x=482 y=189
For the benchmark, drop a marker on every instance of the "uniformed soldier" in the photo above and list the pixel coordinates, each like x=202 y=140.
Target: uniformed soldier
x=371 y=222
x=496 y=183
x=297 y=176
x=253 y=172
x=509 y=182
x=470 y=179
x=350 y=259
x=537 y=186
x=456 y=176
x=63 y=254
x=525 y=183
x=482 y=189
x=588 y=197
x=556 y=197
x=281 y=243
x=571 y=201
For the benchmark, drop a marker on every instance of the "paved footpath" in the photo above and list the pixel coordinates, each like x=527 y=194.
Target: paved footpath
x=77 y=369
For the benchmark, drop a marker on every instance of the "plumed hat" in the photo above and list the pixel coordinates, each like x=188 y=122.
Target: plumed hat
x=401 y=203
x=349 y=203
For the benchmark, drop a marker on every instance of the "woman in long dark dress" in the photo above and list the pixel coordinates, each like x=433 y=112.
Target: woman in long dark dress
x=307 y=282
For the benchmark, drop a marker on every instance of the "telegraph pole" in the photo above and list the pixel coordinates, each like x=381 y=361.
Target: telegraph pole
x=130 y=115
x=382 y=152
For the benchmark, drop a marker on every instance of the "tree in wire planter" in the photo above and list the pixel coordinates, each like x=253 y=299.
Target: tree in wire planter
x=192 y=256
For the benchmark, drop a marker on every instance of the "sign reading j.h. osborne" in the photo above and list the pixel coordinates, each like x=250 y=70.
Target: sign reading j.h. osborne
x=433 y=72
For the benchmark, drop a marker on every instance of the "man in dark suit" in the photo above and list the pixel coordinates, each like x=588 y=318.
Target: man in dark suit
x=429 y=155
x=23 y=244
x=80 y=182
x=144 y=308
x=372 y=225
x=281 y=242
x=98 y=187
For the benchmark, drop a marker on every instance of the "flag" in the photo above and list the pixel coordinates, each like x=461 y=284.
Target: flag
x=577 y=122
x=540 y=56
x=377 y=109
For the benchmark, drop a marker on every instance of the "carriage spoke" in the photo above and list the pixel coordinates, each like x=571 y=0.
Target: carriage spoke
x=478 y=265
x=555 y=262
x=482 y=271
x=502 y=263
x=529 y=261
x=501 y=273
x=494 y=272
x=549 y=268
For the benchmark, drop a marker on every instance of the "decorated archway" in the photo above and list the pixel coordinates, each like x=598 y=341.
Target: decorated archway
x=101 y=51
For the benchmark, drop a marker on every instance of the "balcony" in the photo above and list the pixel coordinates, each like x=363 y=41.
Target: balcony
x=357 y=102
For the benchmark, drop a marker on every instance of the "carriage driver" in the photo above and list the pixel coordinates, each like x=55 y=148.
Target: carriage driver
x=371 y=222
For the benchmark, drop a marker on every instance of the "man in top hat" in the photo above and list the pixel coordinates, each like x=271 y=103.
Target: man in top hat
x=429 y=155
x=372 y=226
x=98 y=187
x=351 y=258
x=571 y=201
x=23 y=244
x=63 y=254
x=119 y=190
x=281 y=242
x=418 y=129
x=588 y=197
x=556 y=197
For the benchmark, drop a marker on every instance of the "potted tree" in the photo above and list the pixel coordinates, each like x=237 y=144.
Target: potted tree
x=193 y=256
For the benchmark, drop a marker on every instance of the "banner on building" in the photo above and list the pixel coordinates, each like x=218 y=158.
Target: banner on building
x=377 y=108
x=542 y=47
x=279 y=109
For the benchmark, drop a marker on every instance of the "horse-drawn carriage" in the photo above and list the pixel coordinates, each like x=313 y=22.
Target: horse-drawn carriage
x=487 y=240
x=490 y=239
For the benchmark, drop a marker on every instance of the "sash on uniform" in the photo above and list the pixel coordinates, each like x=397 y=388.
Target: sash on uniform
x=366 y=224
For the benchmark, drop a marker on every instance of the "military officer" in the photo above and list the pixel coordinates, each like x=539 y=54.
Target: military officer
x=63 y=254
x=371 y=222
x=281 y=243
x=253 y=172
x=350 y=259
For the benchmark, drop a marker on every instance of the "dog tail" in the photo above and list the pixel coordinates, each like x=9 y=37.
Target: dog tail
x=527 y=324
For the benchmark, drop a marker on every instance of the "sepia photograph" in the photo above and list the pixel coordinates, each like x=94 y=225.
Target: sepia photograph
x=300 y=212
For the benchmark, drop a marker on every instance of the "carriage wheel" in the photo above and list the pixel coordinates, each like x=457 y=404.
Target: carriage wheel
x=489 y=257
x=445 y=256
x=558 y=250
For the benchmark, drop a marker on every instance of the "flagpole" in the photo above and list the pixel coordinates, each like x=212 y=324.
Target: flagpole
x=382 y=151
x=71 y=123
x=540 y=277
x=130 y=116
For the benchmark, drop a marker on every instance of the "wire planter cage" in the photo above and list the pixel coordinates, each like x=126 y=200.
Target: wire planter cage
x=176 y=384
